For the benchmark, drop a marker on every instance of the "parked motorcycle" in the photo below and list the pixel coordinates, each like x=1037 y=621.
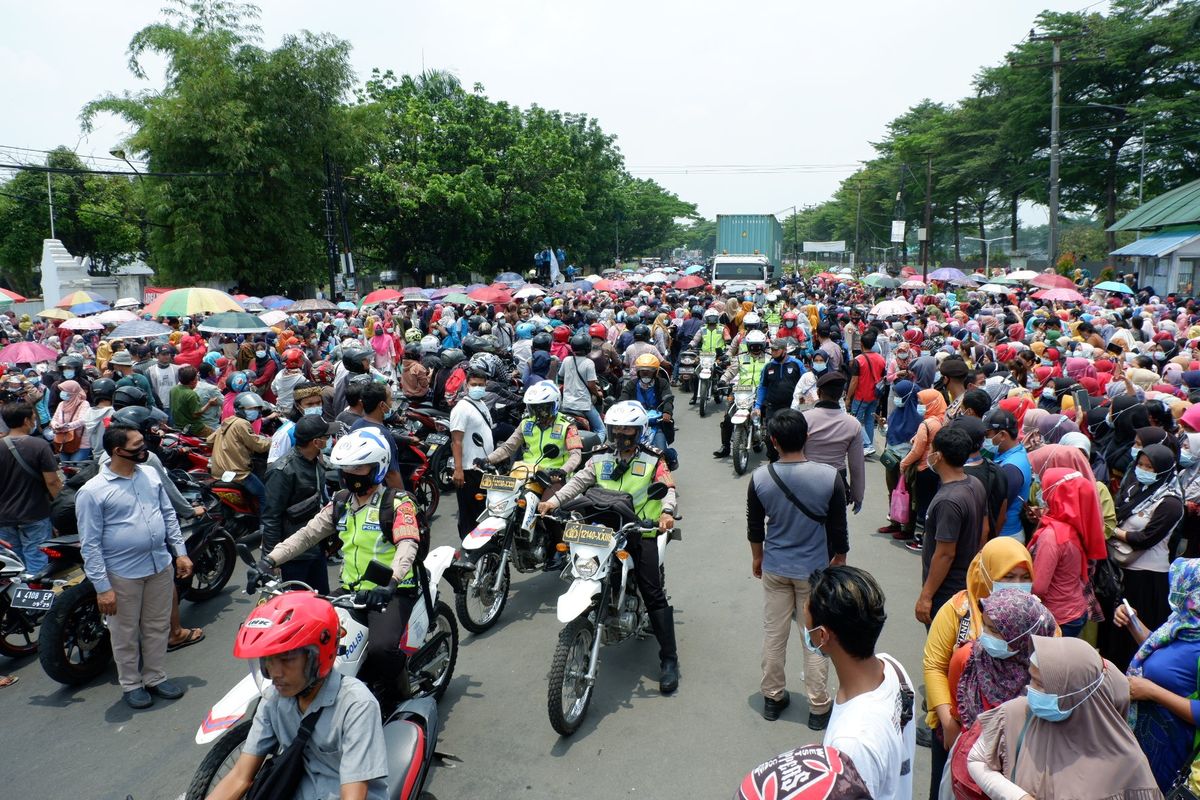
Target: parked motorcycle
x=602 y=605
x=410 y=731
x=21 y=608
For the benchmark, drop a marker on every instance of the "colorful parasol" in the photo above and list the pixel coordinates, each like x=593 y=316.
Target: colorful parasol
x=55 y=313
x=26 y=353
x=139 y=329
x=196 y=300
x=75 y=298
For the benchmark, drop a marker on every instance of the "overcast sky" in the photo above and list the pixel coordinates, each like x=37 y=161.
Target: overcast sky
x=694 y=91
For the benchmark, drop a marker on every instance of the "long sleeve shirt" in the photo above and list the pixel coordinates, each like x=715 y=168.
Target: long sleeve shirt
x=586 y=479
x=835 y=438
x=127 y=526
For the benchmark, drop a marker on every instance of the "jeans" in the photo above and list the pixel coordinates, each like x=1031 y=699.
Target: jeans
x=256 y=487
x=594 y=420
x=1074 y=627
x=658 y=439
x=26 y=538
x=864 y=412
x=82 y=454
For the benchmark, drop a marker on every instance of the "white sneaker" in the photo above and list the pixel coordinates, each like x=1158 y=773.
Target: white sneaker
x=870 y=451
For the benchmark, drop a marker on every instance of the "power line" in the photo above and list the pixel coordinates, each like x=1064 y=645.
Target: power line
x=45 y=202
x=125 y=173
x=71 y=152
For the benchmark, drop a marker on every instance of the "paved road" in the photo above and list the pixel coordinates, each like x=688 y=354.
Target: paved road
x=634 y=743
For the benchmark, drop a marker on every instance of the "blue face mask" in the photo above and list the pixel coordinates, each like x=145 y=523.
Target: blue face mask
x=1135 y=451
x=1046 y=362
x=808 y=642
x=921 y=409
x=68 y=374
x=937 y=375
x=898 y=402
x=991 y=447
x=476 y=392
x=1027 y=588
x=312 y=412
x=252 y=414
x=1145 y=476
x=995 y=646
x=819 y=366
x=1186 y=458
x=1047 y=706
x=328 y=448
x=64 y=395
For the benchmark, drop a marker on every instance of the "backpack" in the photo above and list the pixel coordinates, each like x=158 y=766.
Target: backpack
x=62 y=507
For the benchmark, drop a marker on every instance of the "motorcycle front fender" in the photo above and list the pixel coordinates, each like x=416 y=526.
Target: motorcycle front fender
x=484 y=533
x=237 y=703
x=577 y=599
x=739 y=417
x=437 y=562
x=706 y=373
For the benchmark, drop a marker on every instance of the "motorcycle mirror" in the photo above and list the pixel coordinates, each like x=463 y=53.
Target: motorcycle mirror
x=477 y=439
x=378 y=573
x=244 y=553
x=550 y=451
x=658 y=490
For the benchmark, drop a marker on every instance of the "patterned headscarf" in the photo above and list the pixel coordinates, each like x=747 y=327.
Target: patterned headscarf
x=986 y=682
x=1184 y=621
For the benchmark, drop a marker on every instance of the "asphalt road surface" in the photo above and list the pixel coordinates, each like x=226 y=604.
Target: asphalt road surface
x=84 y=742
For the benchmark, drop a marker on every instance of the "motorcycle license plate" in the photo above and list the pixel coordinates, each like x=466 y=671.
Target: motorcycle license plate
x=706 y=373
x=739 y=417
x=501 y=483
x=579 y=533
x=436 y=440
x=32 y=599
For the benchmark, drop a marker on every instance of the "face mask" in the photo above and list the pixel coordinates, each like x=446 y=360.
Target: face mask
x=898 y=401
x=1047 y=706
x=821 y=366
x=328 y=448
x=990 y=447
x=358 y=484
x=68 y=374
x=995 y=646
x=1159 y=355
x=64 y=395
x=312 y=412
x=922 y=408
x=1135 y=451
x=790 y=324
x=476 y=392
x=1025 y=587
x=252 y=414
x=928 y=462
x=1046 y=362
x=1048 y=393
x=139 y=456
x=645 y=381
x=1186 y=458
x=260 y=353
x=1031 y=382
x=1145 y=476
x=903 y=359
x=808 y=642
x=937 y=376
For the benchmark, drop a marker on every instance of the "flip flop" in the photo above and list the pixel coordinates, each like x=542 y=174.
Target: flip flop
x=8 y=680
x=193 y=635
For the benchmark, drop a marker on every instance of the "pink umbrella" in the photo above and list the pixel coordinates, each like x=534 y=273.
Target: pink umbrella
x=491 y=295
x=26 y=353
x=611 y=285
x=1060 y=295
x=1049 y=280
x=689 y=282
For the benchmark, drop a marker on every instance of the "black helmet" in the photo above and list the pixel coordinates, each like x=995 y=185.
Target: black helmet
x=641 y=333
x=542 y=342
x=581 y=343
x=138 y=417
x=452 y=357
x=71 y=362
x=472 y=345
x=103 y=389
x=126 y=396
x=352 y=358
x=632 y=321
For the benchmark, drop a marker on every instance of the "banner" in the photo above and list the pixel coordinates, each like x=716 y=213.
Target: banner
x=825 y=247
x=898 y=230
x=555 y=275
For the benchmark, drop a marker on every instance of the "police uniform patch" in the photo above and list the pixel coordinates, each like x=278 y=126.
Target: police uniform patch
x=606 y=470
x=558 y=430
x=638 y=469
x=528 y=428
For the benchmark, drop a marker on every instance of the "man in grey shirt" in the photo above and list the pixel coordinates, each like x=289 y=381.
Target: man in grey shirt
x=130 y=536
x=835 y=437
x=789 y=538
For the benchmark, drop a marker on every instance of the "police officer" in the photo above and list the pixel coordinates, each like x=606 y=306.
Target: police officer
x=779 y=379
x=541 y=426
x=627 y=465
x=748 y=372
x=712 y=338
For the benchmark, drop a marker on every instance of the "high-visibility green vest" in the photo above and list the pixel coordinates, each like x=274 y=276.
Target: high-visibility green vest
x=364 y=540
x=772 y=316
x=537 y=438
x=712 y=340
x=750 y=370
x=635 y=480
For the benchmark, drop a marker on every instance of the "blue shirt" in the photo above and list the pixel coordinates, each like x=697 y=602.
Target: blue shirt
x=1164 y=737
x=1019 y=458
x=127 y=526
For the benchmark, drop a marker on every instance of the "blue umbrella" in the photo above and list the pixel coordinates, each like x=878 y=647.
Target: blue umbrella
x=513 y=280
x=274 y=301
x=1110 y=286
x=80 y=309
x=692 y=270
x=346 y=305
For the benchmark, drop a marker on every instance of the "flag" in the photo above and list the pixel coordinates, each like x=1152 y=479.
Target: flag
x=555 y=274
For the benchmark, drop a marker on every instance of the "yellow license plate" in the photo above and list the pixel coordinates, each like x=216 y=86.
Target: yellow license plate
x=502 y=483
x=579 y=533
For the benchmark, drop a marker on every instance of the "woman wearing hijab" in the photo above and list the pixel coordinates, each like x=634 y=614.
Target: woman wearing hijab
x=245 y=356
x=68 y=422
x=1189 y=487
x=924 y=371
x=1052 y=427
x=1030 y=436
x=1002 y=562
x=922 y=481
x=264 y=367
x=901 y=428
x=1148 y=510
x=1163 y=676
x=1125 y=417
x=1068 y=739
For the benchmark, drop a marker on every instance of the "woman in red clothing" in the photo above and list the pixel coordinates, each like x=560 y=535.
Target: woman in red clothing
x=1070 y=533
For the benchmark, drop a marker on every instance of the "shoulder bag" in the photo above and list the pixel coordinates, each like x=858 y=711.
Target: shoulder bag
x=279 y=776
x=820 y=519
x=21 y=462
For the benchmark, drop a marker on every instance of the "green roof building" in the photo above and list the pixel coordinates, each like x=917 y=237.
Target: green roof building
x=1167 y=254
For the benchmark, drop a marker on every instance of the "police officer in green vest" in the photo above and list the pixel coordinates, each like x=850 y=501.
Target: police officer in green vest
x=627 y=465
x=745 y=372
x=370 y=531
x=712 y=338
x=541 y=426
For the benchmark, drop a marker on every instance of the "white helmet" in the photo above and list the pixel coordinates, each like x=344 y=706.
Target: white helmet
x=430 y=345
x=751 y=319
x=711 y=315
x=773 y=297
x=629 y=413
x=541 y=394
x=756 y=338
x=363 y=446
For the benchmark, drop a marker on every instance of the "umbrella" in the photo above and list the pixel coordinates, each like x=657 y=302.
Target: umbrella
x=490 y=295
x=610 y=285
x=277 y=301
x=656 y=277
x=55 y=313
x=438 y=294
x=1061 y=294
x=12 y=296
x=912 y=283
x=185 y=302
x=234 y=322
x=380 y=296
x=271 y=318
x=1023 y=275
x=578 y=286
x=115 y=316
x=995 y=288
x=694 y=269
x=946 y=274
x=529 y=290
x=881 y=281
x=79 y=309
x=26 y=353
x=126 y=302
x=309 y=305
x=346 y=305
x=457 y=297
x=1113 y=286
x=891 y=308
x=1049 y=280
x=511 y=278
x=593 y=279
x=82 y=324
x=75 y=298
x=908 y=271
x=139 y=329
x=827 y=275
x=689 y=282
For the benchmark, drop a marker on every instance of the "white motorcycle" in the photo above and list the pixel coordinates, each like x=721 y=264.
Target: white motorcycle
x=602 y=605
x=431 y=647
x=747 y=429
x=708 y=365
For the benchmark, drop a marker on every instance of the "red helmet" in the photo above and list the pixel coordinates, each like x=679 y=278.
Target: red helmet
x=323 y=372
x=561 y=334
x=291 y=621
x=292 y=358
x=597 y=331
x=790 y=315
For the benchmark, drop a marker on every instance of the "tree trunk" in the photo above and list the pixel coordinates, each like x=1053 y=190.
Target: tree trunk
x=954 y=234
x=1013 y=225
x=1110 y=196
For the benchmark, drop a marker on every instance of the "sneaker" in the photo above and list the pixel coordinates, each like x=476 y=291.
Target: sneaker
x=870 y=451
x=913 y=545
x=891 y=527
x=901 y=536
x=772 y=708
x=138 y=699
x=818 y=722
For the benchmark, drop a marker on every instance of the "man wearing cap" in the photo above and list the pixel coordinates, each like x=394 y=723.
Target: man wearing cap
x=164 y=376
x=1010 y=455
x=307 y=401
x=778 y=384
x=835 y=437
x=296 y=491
x=123 y=372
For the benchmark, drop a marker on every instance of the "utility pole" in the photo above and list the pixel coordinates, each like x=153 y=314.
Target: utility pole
x=925 y=245
x=795 y=243
x=50 y=191
x=331 y=247
x=857 y=220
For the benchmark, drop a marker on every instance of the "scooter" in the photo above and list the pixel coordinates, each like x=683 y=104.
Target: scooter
x=21 y=609
x=410 y=731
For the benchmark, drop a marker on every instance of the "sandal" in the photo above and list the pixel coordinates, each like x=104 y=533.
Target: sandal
x=193 y=635
x=8 y=680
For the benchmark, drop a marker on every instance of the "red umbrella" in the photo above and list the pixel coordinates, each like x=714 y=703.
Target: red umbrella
x=1060 y=294
x=16 y=298
x=827 y=276
x=381 y=295
x=610 y=285
x=491 y=295
x=689 y=282
x=1049 y=280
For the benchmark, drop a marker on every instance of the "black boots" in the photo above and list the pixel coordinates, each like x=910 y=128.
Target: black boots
x=662 y=620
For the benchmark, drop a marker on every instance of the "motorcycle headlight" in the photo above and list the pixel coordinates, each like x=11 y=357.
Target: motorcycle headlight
x=586 y=567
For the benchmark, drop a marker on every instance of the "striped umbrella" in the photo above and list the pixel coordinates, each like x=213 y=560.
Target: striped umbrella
x=235 y=322
x=55 y=313
x=75 y=298
x=11 y=297
x=185 y=302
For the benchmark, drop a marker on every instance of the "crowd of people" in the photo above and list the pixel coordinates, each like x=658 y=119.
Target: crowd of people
x=1041 y=458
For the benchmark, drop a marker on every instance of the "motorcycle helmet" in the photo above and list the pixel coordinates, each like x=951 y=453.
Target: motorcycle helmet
x=287 y=622
x=581 y=344
x=487 y=364
x=597 y=331
x=646 y=365
x=103 y=389
x=452 y=357
x=353 y=359
x=485 y=327
x=789 y=319
x=632 y=320
x=361 y=447
x=626 y=414
x=248 y=406
x=71 y=366
x=756 y=342
x=412 y=335
x=525 y=330
x=323 y=372
x=697 y=312
x=293 y=358
x=751 y=321
x=561 y=334
x=238 y=382
x=430 y=345
x=711 y=317
x=138 y=417
x=641 y=333
x=125 y=396
x=472 y=345
x=542 y=400
x=542 y=342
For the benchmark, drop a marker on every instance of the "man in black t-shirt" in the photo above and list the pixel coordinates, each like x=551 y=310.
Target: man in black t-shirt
x=995 y=483
x=953 y=524
x=29 y=475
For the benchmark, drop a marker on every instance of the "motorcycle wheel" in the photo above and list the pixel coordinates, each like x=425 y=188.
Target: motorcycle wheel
x=702 y=396
x=428 y=495
x=443 y=468
x=16 y=630
x=212 y=567
x=478 y=606
x=445 y=657
x=74 y=644
x=740 y=451
x=218 y=761
x=570 y=694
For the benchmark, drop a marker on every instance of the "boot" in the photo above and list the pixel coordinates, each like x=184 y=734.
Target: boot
x=662 y=620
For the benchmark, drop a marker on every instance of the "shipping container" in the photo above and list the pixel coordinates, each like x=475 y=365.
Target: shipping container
x=750 y=234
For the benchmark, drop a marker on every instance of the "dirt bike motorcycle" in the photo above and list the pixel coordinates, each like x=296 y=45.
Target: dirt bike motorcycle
x=706 y=375
x=602 y=605
x=410 y=732
x=747 y=428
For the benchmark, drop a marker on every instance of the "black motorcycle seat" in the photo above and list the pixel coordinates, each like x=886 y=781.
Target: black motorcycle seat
x=431 y=411
x=405 y=742
x=229 y=485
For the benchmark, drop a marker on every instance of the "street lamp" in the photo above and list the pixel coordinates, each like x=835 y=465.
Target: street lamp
x=117 y=152
x=986 y=248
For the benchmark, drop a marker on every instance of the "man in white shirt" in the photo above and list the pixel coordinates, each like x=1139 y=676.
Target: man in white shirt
x=872 y=719
x=470 y=419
